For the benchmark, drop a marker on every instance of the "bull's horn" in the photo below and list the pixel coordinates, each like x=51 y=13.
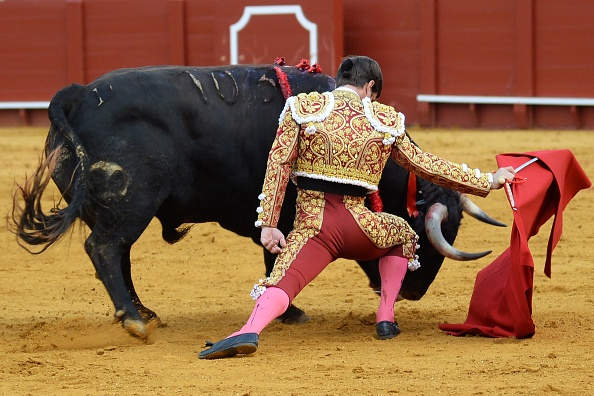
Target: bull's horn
x=437 y=214
x=473 y=210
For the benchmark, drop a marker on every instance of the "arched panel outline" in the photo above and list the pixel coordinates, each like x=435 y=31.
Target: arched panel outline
x=248 y=11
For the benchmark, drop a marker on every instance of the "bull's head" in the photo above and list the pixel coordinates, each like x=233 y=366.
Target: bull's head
x=437 y=223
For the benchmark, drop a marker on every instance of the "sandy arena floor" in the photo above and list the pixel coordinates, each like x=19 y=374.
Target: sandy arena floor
x=56 y=336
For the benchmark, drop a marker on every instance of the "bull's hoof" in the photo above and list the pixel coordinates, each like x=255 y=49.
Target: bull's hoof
x=158 y=322
x=137 y=328
x=294 y=315
x=149 y=316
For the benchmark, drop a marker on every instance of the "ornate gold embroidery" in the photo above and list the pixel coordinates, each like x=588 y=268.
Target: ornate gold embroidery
x=308 y=105
x=308 y=222
x=383 y=229
x=387 y=116
x=280 y=164
x=438 y=170
x=345 y=147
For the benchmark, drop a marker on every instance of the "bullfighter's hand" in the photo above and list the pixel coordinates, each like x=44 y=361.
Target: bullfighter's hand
x=272 y=239
x=502 y=176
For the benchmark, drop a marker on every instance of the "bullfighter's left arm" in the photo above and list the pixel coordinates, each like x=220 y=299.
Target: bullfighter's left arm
x=280 y=165
x=440 y=171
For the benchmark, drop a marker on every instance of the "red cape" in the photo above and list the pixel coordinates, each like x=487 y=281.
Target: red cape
x=501 y=303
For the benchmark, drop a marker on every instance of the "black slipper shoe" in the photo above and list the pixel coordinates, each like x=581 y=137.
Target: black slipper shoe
x=386 y=330
x=242 y=344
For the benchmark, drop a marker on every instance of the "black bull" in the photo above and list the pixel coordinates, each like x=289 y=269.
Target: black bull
x=187 y=145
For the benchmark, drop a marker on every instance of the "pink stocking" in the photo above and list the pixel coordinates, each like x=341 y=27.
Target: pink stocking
x=270 y=305
x=392 y=271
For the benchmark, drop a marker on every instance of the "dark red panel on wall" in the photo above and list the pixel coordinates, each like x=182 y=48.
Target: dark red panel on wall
x=32 y=49
x=390 y=35
x=564 y=50
x=121 y=34
x=200 y=27
x=476 y=51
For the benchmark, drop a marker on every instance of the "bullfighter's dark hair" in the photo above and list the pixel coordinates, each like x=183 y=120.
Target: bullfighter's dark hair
x=359 y=70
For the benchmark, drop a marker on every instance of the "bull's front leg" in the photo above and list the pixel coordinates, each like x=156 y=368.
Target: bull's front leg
x=292 y=315
x=107 y=258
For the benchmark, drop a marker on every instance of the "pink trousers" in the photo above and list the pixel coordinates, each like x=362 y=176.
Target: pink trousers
x=339 y=237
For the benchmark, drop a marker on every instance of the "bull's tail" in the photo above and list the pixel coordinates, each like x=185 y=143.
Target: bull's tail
x=31 y=225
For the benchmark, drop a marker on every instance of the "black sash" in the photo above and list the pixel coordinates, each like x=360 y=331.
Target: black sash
x=308 y=183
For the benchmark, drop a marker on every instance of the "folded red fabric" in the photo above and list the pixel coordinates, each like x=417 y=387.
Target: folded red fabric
x=501 y=303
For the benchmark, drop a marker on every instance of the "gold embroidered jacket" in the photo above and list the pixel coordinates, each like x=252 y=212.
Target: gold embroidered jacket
x=338 y=137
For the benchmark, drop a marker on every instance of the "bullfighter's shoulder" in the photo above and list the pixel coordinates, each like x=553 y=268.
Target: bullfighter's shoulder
x=313 y=106
x=387 y=117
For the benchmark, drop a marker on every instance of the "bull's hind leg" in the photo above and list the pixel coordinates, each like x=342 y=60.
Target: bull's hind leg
x=106 y=252
x=147 y=314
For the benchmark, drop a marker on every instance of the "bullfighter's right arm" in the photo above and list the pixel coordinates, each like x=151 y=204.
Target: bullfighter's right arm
x=440 y=171
x=280 y=165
